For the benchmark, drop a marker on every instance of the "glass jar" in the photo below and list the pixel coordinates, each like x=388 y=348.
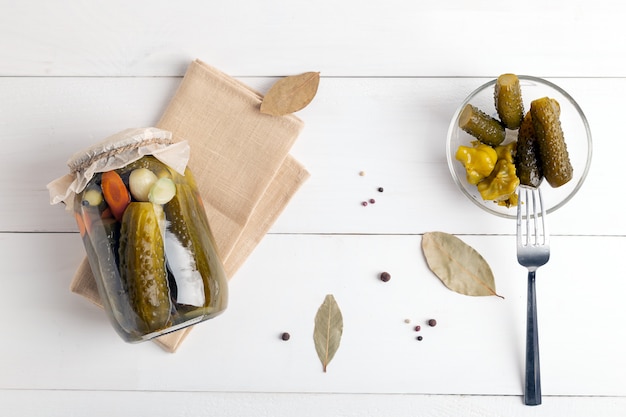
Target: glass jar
x=149 y=245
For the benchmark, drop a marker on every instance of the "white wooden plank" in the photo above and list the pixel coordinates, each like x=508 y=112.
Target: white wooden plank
x=348 y=38
x=165 y=404
x=56 y=340
x=394 y=129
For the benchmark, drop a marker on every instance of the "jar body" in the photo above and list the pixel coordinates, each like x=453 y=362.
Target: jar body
x=151 y=249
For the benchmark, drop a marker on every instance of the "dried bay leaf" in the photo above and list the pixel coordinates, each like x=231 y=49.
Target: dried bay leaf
x=328 y=330
x=290 y=94
x=459 y=266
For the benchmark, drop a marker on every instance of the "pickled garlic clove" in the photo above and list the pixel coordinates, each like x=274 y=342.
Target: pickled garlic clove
x=162 y=191
x=140 y=181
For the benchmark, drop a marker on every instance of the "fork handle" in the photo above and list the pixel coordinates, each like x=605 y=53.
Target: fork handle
x=532 y=388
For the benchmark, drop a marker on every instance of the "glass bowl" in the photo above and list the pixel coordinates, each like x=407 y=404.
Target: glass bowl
x=575 y=130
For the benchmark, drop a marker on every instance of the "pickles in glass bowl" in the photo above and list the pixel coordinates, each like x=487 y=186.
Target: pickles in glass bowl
x=574 y=127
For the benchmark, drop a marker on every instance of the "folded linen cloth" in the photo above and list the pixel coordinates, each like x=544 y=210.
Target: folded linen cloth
x=240 y=160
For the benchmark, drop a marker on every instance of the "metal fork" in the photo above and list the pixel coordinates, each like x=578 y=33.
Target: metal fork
x=533 y=251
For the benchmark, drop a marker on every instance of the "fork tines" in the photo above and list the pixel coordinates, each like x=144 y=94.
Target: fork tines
x=531 y=209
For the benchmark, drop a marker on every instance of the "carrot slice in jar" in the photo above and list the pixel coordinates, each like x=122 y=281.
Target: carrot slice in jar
x=115 y=193
x=81 y=224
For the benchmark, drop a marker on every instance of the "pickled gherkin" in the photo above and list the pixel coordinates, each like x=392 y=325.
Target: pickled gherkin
x=555 y=162
x=199 y=282
x=508 y=101
x=482 y=126
x=181 y=242
x=142 y=265
x=527 y=160
x=102 y=242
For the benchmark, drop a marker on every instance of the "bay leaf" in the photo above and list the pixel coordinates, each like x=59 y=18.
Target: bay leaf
x=459 y=266
x=328 y=330
x=290 y=94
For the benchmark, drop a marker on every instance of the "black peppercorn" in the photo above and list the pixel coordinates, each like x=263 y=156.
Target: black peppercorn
x=432 y=322
x=285 y=336
x=380 y=189
x=420 y=338
x=385 y=276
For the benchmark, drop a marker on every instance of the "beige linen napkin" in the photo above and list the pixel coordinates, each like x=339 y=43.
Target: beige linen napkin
x=240 y=160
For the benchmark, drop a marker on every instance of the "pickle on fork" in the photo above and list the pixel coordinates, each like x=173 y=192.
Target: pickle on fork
x=527 y=160
x=555 y=162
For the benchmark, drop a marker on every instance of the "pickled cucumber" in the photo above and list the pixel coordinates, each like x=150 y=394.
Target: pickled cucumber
x=142 y=265
x=482 y=126
x=527 y=160
x=555 y=162
x=184 y=248
x=508 y=100
x=103 y=242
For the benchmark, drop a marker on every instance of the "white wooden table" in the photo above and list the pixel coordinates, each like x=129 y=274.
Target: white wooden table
x=393 y=73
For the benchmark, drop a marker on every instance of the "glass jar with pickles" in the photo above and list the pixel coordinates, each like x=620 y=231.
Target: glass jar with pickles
x=147 y=237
